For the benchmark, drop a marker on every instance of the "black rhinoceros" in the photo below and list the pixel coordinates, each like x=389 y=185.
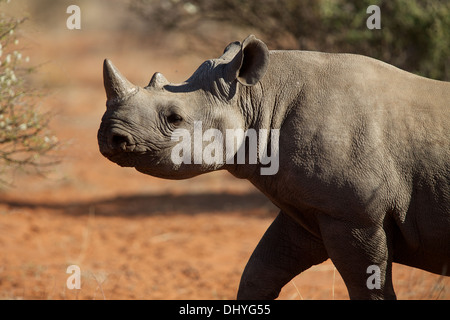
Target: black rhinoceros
x=356 y=152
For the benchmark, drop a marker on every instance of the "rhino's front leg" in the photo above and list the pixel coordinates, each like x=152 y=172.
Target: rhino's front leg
x=285 y=250
x=362 y=255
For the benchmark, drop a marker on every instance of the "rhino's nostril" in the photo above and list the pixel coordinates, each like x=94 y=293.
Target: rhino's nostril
x=119 y=142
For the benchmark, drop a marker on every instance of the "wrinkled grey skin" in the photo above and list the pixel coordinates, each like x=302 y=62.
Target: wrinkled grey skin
x=364 y=155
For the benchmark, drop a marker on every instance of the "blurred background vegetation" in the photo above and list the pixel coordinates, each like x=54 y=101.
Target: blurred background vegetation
x=414 y=34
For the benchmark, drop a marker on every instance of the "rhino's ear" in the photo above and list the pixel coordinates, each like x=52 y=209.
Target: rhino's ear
x=249 y=61
x=231 y=51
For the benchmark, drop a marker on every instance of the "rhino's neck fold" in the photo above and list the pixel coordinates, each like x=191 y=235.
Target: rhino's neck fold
x=266 y=106
x=264 y=113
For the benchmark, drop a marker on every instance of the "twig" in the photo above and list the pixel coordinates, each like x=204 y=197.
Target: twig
x=99 y=285
x=293 y=283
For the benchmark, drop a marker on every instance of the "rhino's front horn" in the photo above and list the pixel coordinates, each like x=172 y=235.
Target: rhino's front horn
x=116 y=85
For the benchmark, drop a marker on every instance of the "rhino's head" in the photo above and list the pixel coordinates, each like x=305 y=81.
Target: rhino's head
x=141 y=124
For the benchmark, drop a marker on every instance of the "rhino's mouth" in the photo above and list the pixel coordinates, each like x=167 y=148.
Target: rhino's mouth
x=129 y=155
x=122 y=159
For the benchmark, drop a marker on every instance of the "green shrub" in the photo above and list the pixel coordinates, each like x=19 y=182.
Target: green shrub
x=25 y=141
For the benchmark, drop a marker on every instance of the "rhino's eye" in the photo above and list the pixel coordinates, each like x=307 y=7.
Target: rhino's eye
x=174 y=119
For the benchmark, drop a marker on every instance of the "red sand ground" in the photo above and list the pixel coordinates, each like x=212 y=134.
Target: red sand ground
x=134 y=236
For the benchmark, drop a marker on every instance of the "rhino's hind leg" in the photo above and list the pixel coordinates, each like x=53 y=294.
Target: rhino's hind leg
x=285 y=250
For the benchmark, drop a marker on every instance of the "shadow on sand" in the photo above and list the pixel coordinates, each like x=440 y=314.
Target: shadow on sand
x=253 y=203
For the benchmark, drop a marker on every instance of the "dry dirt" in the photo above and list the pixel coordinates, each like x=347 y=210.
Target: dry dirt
x=135 y=236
